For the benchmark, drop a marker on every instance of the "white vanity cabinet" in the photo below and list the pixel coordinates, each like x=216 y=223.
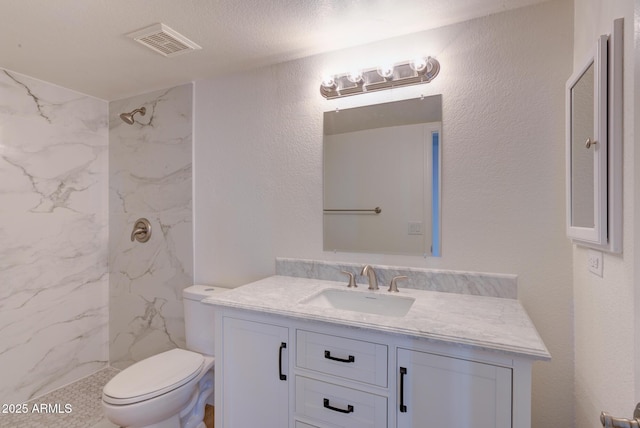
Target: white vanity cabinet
x=252 y=375
x=451 y=361
x=339 y=376
x=438 y=391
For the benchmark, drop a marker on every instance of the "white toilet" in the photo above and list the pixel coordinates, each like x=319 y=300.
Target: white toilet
x=169 y=390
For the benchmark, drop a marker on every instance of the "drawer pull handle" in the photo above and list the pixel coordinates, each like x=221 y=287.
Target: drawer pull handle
x=403 y=372
x=283 y=345
x=351 y=359
x=336 y=409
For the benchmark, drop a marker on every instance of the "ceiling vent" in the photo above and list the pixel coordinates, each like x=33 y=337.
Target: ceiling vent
x=163 y=40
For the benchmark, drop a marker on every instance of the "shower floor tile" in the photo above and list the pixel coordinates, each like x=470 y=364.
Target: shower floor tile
x=77 y=405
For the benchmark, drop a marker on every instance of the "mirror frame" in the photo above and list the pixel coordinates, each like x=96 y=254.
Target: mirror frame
x=607 y=57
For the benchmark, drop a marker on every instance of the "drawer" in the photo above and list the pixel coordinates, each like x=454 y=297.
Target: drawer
x=303 y=425
x=339 y=406
x=348 y=358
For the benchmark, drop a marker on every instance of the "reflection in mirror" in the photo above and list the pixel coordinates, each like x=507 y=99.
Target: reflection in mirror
x=582 y=130
x=384 y=156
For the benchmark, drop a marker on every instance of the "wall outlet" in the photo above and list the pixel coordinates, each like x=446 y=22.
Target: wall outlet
x=415 y=228
x=594 y=261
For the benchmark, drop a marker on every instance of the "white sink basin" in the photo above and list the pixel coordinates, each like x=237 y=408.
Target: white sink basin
x=368 y=302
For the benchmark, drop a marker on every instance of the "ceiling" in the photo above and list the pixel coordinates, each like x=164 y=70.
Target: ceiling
x=82 y=44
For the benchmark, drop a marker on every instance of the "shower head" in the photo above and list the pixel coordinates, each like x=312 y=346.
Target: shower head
x=128 y=117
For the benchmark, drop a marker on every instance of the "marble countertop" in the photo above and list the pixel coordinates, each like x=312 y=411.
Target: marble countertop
x=488 y=323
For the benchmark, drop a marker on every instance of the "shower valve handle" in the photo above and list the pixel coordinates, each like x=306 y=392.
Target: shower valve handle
x=141 y=230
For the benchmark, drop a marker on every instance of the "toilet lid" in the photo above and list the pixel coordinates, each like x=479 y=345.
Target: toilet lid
x=153 y=376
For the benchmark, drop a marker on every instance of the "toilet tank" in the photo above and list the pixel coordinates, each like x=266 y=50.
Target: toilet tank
x=199 y=318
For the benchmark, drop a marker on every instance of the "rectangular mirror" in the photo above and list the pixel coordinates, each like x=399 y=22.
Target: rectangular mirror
x=593 y=147
x=587 y=148
x=583 y=159
x=381 y=172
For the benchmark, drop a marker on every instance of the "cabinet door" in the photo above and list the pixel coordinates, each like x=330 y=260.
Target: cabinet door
x=436 y=391
x=255 y=374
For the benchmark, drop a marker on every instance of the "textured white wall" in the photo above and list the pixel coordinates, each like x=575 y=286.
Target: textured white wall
x=258 y=168
x=606 y=362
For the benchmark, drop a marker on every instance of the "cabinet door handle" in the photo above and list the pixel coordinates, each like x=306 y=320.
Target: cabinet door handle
x=283 y=345
x=326 y=405
x=403 y=372
x=351 y=359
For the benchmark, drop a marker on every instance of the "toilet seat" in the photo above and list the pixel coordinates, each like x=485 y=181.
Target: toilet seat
x=153 y=376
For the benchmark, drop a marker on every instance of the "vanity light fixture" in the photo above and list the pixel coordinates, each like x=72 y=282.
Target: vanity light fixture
x=416 y=71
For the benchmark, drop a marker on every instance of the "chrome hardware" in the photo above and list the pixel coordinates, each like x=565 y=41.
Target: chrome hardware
x=376 y=210
x=589 y=143
x=371 y=274
x=141 y=230
x=609 y=421
x=393 y=287
x=352 y=279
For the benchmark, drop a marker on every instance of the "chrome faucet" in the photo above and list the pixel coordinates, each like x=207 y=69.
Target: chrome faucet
x=369 y=272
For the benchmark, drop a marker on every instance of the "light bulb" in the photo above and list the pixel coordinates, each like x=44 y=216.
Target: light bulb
x=386 y=71
x=355 y=76
x=328 y=82
x=419 y=65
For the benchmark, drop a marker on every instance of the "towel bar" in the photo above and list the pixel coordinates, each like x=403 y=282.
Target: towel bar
x=376 y=210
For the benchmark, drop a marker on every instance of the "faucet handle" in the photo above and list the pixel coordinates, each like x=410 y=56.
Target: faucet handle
x=393 y=287
x=352 y=279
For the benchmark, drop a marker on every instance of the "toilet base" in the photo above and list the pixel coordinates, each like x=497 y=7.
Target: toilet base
x=191 y=416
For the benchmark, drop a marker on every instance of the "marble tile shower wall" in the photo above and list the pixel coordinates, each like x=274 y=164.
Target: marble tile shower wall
x=150 y=176
x=53 y=236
